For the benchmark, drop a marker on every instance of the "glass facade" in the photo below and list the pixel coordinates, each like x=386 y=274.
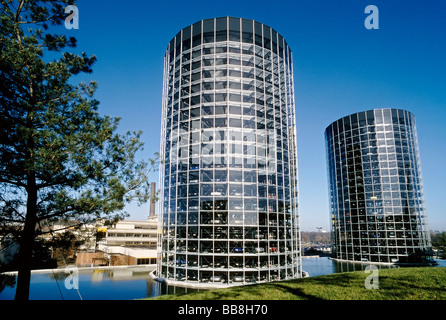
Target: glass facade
x=228 y=209
x=375 y=188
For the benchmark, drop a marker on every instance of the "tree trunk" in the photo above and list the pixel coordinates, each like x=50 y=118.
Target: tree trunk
x=25 y=257
x=26 y=248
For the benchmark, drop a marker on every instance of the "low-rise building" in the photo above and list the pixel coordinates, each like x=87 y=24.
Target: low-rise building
x=128 y=242
x=131 y=233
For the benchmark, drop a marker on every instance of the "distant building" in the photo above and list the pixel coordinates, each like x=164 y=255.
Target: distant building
x=128 y=242
x=376 y=189
x=129 y=233
x=136 y=239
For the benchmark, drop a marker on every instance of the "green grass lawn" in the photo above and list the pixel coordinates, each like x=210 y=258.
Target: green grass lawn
x=425 y=283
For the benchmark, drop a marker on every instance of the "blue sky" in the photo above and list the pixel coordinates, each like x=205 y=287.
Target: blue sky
x=340 y=67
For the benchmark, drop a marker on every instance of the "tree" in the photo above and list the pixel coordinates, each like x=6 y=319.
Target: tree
x=59 y=158
x=439 y=243
x=64 y=245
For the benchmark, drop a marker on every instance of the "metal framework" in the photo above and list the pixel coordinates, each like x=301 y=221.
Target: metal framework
x=229 y=188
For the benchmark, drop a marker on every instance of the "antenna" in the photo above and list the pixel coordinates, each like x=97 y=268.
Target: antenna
x=152 y=199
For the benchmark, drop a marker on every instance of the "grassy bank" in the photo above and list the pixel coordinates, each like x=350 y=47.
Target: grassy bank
x=426 y=283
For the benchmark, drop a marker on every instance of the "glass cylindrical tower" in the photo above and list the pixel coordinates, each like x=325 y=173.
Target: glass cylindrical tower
x=228 y=209
x=375 y=188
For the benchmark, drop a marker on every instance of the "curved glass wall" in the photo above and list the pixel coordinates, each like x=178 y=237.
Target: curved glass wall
x=229 y=181
x=376 y=189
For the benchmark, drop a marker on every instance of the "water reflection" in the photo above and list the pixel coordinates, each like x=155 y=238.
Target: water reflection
x=349 y=266
x=134 y=282
x=318 y=266
x=170 y=289
x=91 y=284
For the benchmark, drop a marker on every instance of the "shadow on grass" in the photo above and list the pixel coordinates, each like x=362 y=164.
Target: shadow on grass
x=339 y=280
x=407 y=286
x=298 y=293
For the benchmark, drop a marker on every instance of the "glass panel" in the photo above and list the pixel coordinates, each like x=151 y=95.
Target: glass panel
x=220 y=122
x=206 y=189
x=235 y=97
x=220 y=84
x=207 y=123
x=196 y=34
x=219 y=97
x=235 y=122
x=208 y=110
x=234 y=29
x=221 y=61
x=280 y=46
x=267 y=37
x=235 y=189
x=235 y=175
x=208 y=97
x=206 y=86
x=274 y=38
x=247 y=35
x=195 y=76
x=220 y=189
x=250 y=190
x=258 y=33
x=186 y=38
x=221 y=29
x=220 y=176
x=221 y=109
x=207 y=175
x=220 y=73
x=234 y=85
x=195 y=112
x=208 y=30
x=178 y=44
x=235 y=110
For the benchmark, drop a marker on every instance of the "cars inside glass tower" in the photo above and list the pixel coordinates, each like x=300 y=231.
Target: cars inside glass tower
x=229 y=188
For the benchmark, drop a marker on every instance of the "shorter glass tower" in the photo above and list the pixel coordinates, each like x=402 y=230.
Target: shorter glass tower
x=375 y=188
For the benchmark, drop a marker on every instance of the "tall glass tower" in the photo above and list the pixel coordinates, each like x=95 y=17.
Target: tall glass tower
x=229 y=184
x=376 y=189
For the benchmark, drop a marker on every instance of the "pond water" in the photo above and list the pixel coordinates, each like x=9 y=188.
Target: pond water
x=126 y=283
x=114 y=283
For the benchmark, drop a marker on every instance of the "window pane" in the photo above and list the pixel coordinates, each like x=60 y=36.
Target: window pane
x=220 y=122
x=247 y=35
x=235 y=122
x=221 y=109
x=220 y=97
x=196 y=32
x=234 y=29
x=207 y=123
x=235 y=189
x=258 y=33
x=235 y=110
x=222 y=29
x=234 y=85
x=235 y=175
x=208 y=30
x=235 y=97
x=208 y=97
x=220 y=176
x=186 y=38
x=220 y=84
x=221 y=61
x=267 y=37
x=208 y=110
